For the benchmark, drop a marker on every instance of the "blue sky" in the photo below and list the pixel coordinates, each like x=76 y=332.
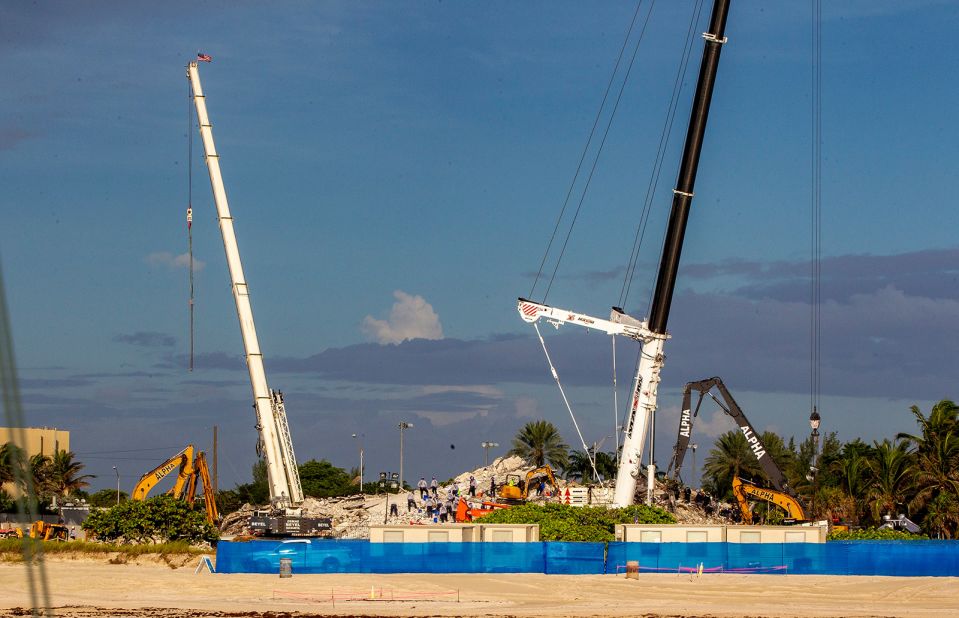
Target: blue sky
x=395 y=171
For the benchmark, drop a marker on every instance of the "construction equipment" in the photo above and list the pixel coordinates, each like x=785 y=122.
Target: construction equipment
x=182 y=462
x=275 y=444
x=732 y=409
x=652 y=333
x=201 y=476
x=193 y=472
x=46 y=532
x=782 y=495
x=517 y=489
x=743 y=490
x=466 y=513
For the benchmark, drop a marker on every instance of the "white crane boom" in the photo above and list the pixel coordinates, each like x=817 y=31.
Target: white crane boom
x=276 y=443
x=619 y=323
x=645 y=383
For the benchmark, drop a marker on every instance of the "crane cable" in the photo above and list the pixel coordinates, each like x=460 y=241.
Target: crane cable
x=667 y=129
x=815 y=291
x=562 y=391
x=189 y=209
x=599 y=151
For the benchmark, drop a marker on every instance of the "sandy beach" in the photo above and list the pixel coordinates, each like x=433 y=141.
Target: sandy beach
x=86 y=588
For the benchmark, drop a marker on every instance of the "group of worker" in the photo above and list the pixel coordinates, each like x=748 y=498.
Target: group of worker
x=437 y=507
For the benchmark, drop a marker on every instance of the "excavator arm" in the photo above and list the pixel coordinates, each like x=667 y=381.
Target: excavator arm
x=730 y=407
x=182 y=461
x=209 y=497
x=744 y=490
x=541 y=471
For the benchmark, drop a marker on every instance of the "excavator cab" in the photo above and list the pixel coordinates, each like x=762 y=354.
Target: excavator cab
x=513 y=489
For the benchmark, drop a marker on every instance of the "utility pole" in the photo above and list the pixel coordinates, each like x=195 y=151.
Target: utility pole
x=117 y=472
x=403 y=426
x=216 y=474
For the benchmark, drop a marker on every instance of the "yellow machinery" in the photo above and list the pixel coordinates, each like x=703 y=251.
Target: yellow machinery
x=182 y=461
x=46 y=532
x=201 y=476
x=743 y=490
x=517 y=489
x=192 y=472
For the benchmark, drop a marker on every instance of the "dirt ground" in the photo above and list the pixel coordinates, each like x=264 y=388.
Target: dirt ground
x=82 y=588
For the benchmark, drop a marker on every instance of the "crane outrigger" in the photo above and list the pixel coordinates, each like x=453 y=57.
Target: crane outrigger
x=651 y=333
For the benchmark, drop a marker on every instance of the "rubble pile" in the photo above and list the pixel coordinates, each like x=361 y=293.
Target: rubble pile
x=353 y=515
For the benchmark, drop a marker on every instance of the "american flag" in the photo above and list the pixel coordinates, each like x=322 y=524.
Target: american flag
x=204 y=58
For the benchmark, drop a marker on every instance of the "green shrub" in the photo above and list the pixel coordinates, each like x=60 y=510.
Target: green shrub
x=561 y=522
x=161 y=519
x=875 y=534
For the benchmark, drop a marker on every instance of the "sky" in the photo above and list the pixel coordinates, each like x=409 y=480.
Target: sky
x=395 y=171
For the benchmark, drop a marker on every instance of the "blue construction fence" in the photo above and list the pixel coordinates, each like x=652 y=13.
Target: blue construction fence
x=895 y=558
x=361 y=556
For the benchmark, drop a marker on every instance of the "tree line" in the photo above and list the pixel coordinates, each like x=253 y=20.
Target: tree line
x=52 y=476
x=915 y=474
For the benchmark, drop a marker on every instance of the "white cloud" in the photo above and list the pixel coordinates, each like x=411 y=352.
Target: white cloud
x=165 y=258
x=410 y=318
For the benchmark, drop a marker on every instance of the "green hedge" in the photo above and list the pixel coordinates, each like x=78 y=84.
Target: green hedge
x=875 y=534
x=561 y=522
x=156 y=520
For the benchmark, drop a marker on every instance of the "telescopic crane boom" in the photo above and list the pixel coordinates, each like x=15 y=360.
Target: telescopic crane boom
x=275 y=442
x=652 y=333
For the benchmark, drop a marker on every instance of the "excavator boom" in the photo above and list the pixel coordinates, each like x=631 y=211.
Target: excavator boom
x=744 y=490
x=182 y=461
x=731 y=408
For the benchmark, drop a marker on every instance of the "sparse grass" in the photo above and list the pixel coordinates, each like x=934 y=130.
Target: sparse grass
x=12 y=549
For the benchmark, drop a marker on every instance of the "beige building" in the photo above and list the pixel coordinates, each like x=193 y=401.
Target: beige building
x=39 y=441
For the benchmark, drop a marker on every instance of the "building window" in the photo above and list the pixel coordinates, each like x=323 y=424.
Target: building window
x=750 y=537
x=436 y=536
x=502 y=536
x=392 y=536
x=796 y=537
x=650 y=536
x=697 y=536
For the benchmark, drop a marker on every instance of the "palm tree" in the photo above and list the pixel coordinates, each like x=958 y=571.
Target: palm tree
x=11 y=464
x=539 y=442
x=64 y=474
x=578 y=467
x=731 y=456
x=40 y=473
x=890 y=470
x=935 y=474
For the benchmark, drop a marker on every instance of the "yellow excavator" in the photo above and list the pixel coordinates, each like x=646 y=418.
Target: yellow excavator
x=46 y=532
x=182 y=461
x=192 y=471
x=743 y=490
x=517 y=490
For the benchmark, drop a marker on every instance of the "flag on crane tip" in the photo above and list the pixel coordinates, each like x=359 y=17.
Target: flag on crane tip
x=204 y=58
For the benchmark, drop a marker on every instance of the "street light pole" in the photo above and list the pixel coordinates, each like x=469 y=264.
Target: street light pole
x=118 y=484
x=361 y=462
x=403 y=426
x=487 y=446
x=814 y=421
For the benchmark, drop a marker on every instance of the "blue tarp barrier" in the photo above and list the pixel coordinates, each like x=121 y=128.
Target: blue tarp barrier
x=360 y=556
x=896 y=558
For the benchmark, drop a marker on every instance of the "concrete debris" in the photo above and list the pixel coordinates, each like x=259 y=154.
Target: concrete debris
x=353 y=515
